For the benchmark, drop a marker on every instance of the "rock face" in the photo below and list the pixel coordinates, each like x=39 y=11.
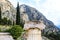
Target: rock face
x=8 y=10
x=45 y=38
x=30 y=14
x=33 y=25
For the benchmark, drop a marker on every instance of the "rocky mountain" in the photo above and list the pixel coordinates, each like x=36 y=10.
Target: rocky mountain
x=28 y=13
x=7 y=9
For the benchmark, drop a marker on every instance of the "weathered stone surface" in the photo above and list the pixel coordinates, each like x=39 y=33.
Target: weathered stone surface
x=34 y=34
x=33 y=25
x=8 y=10
x=32 y=13
x=33 y=30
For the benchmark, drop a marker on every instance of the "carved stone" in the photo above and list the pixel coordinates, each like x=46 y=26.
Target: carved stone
x=33 y=30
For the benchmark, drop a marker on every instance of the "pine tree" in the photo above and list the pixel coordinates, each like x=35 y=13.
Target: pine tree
x=18 y=15
x=0 y=15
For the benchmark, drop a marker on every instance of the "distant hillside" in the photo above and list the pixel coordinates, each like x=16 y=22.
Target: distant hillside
x=28 y=13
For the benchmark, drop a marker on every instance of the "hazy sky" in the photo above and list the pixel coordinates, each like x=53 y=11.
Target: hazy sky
x=49 y=8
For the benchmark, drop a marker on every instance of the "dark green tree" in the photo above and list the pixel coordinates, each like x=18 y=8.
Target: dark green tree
x=0 y=15
x=4 y=21
x=13 y=23
x=18 y=15
x=9 y=22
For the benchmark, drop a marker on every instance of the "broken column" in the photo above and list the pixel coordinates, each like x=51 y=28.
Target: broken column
x=33 y=30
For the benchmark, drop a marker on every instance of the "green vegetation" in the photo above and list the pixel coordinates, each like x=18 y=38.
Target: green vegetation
x=18 y=19
x=4 y=21
x=52 y=35
x=18 y=15
x=15 y=31
x=9 y=22
x=4 y=28
x=0 y=15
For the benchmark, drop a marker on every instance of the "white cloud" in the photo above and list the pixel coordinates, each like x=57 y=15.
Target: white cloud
x=37 y=1
x=53 y=7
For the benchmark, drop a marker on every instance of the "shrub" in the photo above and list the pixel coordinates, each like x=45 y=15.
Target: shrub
x=16 y=31
x=9 y=22
x=4 y=21
x=0 y=30
x=4 y=28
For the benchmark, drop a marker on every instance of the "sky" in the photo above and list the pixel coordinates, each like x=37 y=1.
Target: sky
x=49 y=8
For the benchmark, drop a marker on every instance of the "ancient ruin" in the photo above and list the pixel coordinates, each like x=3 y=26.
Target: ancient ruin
x=33 y=30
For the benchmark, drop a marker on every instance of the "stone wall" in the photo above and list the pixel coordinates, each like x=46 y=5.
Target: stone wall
x=5 y=36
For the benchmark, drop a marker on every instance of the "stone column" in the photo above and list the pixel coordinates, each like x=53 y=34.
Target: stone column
x=34 y=30
x=34 y=34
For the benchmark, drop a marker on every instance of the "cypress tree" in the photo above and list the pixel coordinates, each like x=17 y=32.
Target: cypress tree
x=18 y=15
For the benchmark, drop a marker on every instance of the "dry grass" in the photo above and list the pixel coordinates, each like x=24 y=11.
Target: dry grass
x=4 y=27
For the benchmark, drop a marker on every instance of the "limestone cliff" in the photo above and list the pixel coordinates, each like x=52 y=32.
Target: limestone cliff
x=7 y=9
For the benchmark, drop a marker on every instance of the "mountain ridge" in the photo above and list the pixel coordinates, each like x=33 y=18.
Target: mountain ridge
x=34 y=14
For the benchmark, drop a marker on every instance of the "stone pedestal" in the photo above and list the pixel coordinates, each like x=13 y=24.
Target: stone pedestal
x=34 y=34
x=33 y=30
